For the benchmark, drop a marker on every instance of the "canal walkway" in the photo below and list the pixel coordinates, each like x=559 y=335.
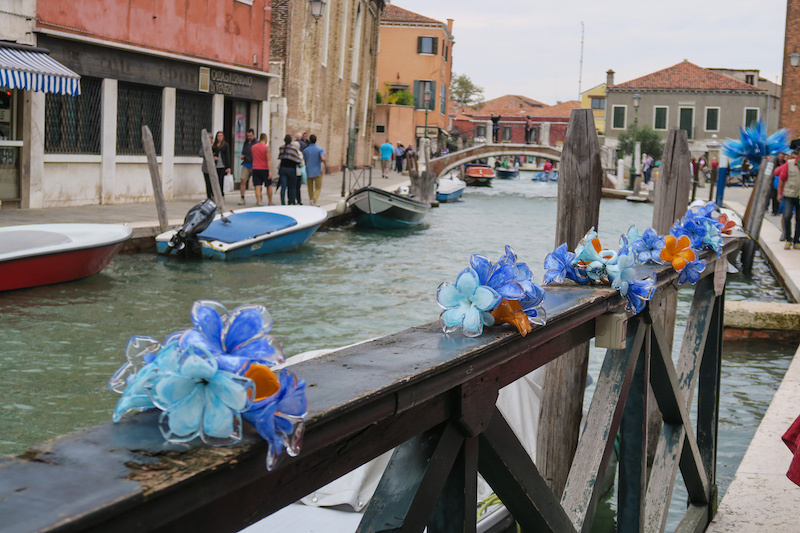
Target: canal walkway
x=761 y=497
x=143 y=218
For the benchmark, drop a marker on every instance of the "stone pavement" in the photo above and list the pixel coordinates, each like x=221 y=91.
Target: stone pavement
x=144 y=218
x=761 y=498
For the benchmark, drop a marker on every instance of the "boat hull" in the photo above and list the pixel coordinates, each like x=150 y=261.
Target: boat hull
x=375 y=208
x=478 y=182
x=506 y=174
x=449 y=197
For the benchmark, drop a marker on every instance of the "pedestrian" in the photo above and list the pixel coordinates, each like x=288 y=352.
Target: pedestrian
x=399 y=154
x=302 y=140
x=314 y=156
x=261 y=163
x=648 y=167
x=773 y=191
x=548 y=166
x=222 y=159
x=387 y=154
x=495 y=127
x=528 y=129
x=247 y=163
x=789 y=192
x=204 y=169
x=301 y=168
x=290 y=158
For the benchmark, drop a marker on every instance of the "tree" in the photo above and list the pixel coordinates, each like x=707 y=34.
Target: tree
x=463 y=91
x=651 y=140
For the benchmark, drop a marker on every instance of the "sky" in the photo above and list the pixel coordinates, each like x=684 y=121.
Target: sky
x=533 y=48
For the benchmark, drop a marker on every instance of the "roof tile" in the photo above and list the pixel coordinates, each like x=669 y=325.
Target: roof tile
x=392 y=13
x=686 y=75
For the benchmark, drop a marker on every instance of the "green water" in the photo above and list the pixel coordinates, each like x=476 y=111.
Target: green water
x=61 y=343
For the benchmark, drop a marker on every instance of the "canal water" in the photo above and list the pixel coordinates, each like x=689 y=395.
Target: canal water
x=61 y=343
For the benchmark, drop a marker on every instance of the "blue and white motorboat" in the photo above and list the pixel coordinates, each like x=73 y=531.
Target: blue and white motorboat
x=507 y=173
x=449 y=188
x=245 y=232
x=541 y=176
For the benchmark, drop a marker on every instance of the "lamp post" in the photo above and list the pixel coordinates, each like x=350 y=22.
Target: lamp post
x=634 y=163
x=317 y=8
x=636 y=99
x=426 y=101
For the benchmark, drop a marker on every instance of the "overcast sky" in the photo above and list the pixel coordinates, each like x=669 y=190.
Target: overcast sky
x=533 y=48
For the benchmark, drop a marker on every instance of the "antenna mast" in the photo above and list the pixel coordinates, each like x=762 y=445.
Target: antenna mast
x=580 y=71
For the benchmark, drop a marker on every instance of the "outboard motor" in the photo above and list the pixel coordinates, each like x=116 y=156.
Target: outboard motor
x=197 y=219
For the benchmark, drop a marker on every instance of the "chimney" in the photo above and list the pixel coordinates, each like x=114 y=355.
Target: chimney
x=450 y=26
x=609 y=78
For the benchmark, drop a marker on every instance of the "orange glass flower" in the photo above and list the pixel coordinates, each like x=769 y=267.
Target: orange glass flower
x=727 y=225
x=266 y=381
x=510 y=312
x=678 y=251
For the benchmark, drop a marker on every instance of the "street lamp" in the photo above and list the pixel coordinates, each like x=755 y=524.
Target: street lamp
x=426 y=101
x=636 y=98
x=794 y=59
x=317 y=7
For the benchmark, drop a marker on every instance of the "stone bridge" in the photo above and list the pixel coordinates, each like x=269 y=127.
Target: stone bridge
x=444 y=164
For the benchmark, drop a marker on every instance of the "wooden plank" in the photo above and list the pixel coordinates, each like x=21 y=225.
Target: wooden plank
x=155 y=177
x=756 y=208
x=455 y=510
x=632 y=481
x=602 y=422
x=579 y=192
x=695 y=520
x=506 y=466
x=662 y=477
x=219 y=198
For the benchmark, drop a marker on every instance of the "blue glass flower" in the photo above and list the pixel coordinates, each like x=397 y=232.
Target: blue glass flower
x=691 y=229
x=465 y=303
x=558 y=265
x=753 y=144
x=691 y=272
x=522 y=274
x=237 y=339
x=639 y=293
x=280 y=418
x=648 y=247
x=713 y=237
x=200 y=400
x=532 y=305
x=501 y=277
x=622 y=273
x=632 y=235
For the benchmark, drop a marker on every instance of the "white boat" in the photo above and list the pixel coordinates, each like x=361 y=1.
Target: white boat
x=252 y=231
x=376 y=208
x=449 y=188
x=43 y=254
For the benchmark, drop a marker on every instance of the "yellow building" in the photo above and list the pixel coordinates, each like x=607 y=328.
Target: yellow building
x=595 y=99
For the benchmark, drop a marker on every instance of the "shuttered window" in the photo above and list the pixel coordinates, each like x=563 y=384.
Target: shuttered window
x=427 y=45
x=419 y=94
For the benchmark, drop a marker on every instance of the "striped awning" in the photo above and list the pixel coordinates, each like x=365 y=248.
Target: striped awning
x=36 y=71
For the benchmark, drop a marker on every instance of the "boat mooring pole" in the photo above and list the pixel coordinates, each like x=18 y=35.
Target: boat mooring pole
x=155 y=177
x=211 y=167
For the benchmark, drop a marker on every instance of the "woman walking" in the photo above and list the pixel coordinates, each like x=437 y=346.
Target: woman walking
x=222 y=159
x=290 y=158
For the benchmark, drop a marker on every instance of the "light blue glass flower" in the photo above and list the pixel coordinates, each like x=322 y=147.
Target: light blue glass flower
x=713 y=237
x=598 y=268
x=622 y=273
x=280 y=418
x=237 y=339
x=200 y=400
x=691 y=272
x=629 y=237
x=648 y=247
x=465 y=302
x=691 y=229
x=639 y=293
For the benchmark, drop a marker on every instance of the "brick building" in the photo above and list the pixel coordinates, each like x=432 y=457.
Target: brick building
x=328 y=75
x=790 y=101
x=173 y=65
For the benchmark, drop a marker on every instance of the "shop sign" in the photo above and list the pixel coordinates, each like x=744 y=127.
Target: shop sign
x=222 y=82
x=433 y=132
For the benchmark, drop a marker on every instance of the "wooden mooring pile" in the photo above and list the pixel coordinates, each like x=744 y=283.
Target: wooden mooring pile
x=432 y=396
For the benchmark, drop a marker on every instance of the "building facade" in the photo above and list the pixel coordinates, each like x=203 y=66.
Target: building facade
x=703 y=102
x=177 y=66
x=595 y=99
x=416 y=56
x=790 y=101
x=328 y=83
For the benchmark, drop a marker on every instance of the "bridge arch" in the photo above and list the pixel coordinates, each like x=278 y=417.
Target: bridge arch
x=444 y=164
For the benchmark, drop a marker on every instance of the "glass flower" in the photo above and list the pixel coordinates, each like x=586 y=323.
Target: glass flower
x=501 y=277
x=702 y=211
x=521 y=273
x=639 y=293
x=237 y=339
x=691 y=273
x=532 y=305
x=623 y=273
x=677 y=251
x=695 y=230
x=713 y=237
x=726 y=226
x=648 y=247
x=200 y=400
x=465 y=302
x=280 y=417
x=558 y=265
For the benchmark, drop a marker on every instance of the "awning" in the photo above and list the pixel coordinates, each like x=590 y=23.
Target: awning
x=34 y=70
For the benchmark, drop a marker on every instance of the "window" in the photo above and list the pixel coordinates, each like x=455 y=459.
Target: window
x=72 y=123
x=427 y=45
x=749 y=78
x=712 y=119
x=686 y=121
x=192 y=115
x=137 y=105
x=380 y=128
x=420 y=86
x=751 y=116
x=480 y=131
x=618 y=113
x=660 y=118
x=598 y=103
x=506 y=133
x=445 y=50
x=443 y=100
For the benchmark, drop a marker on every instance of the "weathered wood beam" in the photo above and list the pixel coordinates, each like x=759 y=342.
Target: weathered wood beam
x=506 y=466
x=695 y=520
x=455 y=510
x=155 y=177
x=754 y=215
x=602 y=422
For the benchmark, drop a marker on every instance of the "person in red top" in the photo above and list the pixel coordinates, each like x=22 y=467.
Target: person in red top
x=260 y=152
x=789 y=191
x=548 y=166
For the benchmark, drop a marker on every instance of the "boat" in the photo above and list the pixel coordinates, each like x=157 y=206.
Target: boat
x=478 y=175
x=449 y=188
x=376 y=208
x=507 y=173
x=540 y=176
x=44 y=254
x=240 y=233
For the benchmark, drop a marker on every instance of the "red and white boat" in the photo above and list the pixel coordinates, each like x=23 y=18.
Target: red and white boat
x=42 y=254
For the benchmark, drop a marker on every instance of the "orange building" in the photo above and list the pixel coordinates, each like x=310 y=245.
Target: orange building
x=416 y=56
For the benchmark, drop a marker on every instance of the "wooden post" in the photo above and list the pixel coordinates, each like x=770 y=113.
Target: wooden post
x=423 y=183
x=579 y=188
x=212 y=171
x=155 y=177
x=754 y=215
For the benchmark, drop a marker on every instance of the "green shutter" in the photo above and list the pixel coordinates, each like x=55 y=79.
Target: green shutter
x=419 y=45
x=660 y=122
x=619 y=118
x=435 y=45
x=685 y=120
x=432 y=103
x=712 y=119
x=417 y=95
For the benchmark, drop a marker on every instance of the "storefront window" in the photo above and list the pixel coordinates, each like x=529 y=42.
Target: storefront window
x=10 y=146
x=192 y=115
x=72 y=123
x=137 y=106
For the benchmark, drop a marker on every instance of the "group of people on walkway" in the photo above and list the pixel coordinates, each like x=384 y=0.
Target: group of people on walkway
x=398 y=154
x=300 y=162
x=787 y=184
